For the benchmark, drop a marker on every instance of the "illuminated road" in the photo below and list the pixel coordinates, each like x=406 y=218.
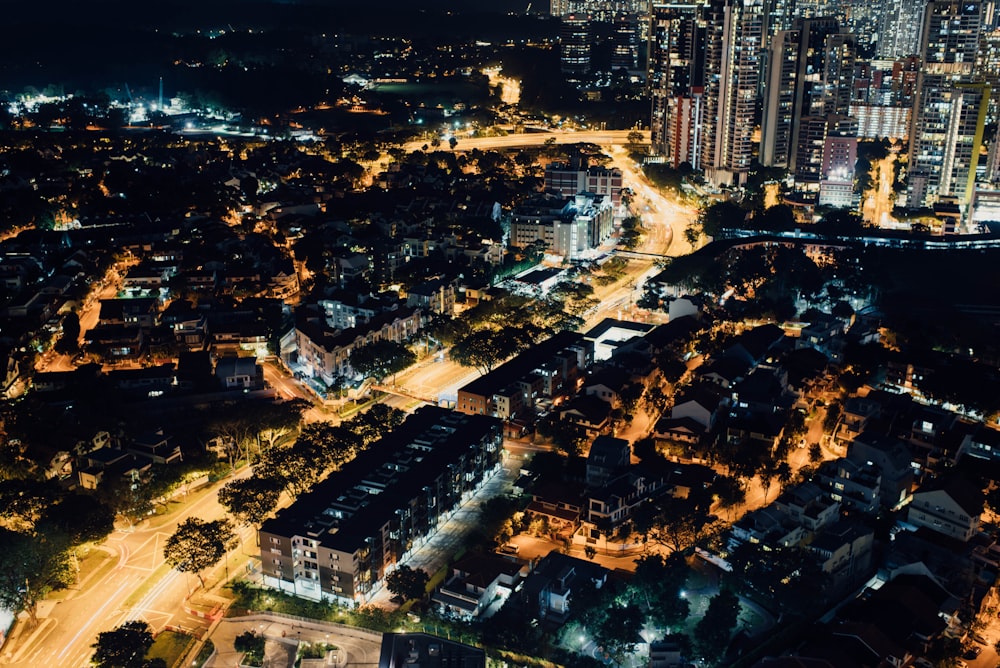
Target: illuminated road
x=602 y=138
x=879 y=202
x=665 y=218
x=138 y=586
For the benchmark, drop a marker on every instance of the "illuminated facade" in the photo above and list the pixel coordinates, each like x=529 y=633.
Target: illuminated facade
x=338 y=541
x=950 y=112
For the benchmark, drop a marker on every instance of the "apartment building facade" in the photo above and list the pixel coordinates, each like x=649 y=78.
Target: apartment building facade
x=339 y=541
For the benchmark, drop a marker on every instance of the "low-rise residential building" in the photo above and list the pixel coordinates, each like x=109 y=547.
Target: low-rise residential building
x=568 y=179
x=547 y=593
x=239 y=373
x=325 y=354
x=478 y=586
x=544 y=370
x=950 y=506
x=340 y=540
x=433 y=296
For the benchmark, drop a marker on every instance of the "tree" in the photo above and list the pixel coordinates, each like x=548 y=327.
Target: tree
x=252 y=645
x=197 y=545
x=729 y=492
x=250 y=500
x=31 y=566
x=81 y=517
x=276 y=420
x=618 y=632
x=375 y=423
x=123 y=647
x=485 y=348
x=657 y=587
x=671 y=521
x=409 y=583
x=69 y=342
x=381 y=358
x=713 y=631
x=719 y=216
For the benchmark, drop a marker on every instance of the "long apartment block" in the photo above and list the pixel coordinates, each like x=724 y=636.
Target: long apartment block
x=339 y=540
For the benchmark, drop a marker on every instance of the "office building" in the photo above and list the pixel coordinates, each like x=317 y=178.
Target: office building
x=338 y=541
x=574 y=46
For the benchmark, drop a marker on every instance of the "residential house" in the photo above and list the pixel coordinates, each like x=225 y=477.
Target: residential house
x=589 y=412
x=845 y=552
x=823 y=333
x=477 y=586
x=612 y=504
x=697 y=403
x=665 y=654
x=762 y=392
x=610 y=333
x=148 y=382
x=239 y=373
x=561 y=504
x=684 y=430
x=893 y=459
x=547 y=592
x=858 y=414
x=116 y=343
x=983 y=443
x=97 y=466
x=769 y=526
x=608 y=384
x=236 y=330
x=141 y=312
x=141 y=279
x=808 y=506
x=950 y=505
x=433 y=296
x=754 y=345
x=852 y=483
x=725 y=372
x=608 y=457
x=157 y=446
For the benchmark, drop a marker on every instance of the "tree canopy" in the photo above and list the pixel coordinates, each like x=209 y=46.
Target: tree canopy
x=31 y=566
x=408 y=583
x=197 y=545
x=250 y=500
x=124 y=646
x=380 y=359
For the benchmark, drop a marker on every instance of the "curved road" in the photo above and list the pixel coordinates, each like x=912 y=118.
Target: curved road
x=70 y=626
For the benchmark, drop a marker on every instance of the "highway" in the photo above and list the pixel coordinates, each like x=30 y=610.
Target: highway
x=602 y=138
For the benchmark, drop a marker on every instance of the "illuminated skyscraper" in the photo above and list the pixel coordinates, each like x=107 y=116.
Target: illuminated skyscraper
x=950 y=110
x=574 y=46
x=676 y=80
x=899 y=28
x=734 y=36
